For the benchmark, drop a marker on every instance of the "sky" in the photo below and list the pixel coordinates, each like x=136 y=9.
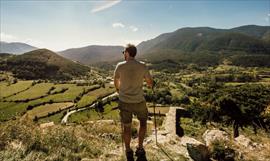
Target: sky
x=63 y=24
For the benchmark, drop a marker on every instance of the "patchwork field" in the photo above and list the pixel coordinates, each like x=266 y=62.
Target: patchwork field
x=93 y=114
x=46 y=100
x=36 y=91
x=47 y=109
x=8 y=90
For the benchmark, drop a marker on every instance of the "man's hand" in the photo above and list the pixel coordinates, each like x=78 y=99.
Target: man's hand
x=149 y=81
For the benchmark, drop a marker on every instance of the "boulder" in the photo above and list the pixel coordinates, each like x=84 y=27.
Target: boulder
x=45 y=125
x=211 y=135
x=196 y=150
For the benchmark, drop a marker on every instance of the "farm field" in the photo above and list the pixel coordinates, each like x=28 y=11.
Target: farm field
x=36 y=91
x=41 y=99
x=8 y=90
x=44 y=110
x=92 y=114
x=91 y=96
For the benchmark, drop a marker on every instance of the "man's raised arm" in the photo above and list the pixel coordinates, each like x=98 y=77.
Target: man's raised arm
x=116 y=79
x=148 y=78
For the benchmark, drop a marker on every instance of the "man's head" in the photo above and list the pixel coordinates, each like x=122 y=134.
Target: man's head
x=131 y=50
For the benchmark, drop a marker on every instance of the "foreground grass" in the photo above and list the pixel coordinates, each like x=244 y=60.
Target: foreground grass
x=24 y=140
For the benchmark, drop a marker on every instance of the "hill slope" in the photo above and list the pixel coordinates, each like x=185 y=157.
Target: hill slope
x=42 y=64
x=200 y=44
x=15 y=47
x=93 y=54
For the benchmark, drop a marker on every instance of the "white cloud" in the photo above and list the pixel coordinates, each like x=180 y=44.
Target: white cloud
x=268 y=14
x=105 y=5
x=118 y=25
x=133 y=28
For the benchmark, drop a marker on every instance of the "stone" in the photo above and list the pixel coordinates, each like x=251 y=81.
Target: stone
x=210 y=136
x=244 y=141
x=196 y=149
x=45 y=125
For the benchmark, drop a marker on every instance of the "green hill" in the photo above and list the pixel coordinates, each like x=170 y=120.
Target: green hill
x=42 y=64
x=93 y=54
x=209 y=46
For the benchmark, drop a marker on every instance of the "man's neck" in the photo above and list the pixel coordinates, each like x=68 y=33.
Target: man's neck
x=130 y=58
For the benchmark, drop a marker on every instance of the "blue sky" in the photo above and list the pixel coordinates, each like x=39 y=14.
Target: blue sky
x=58 y=25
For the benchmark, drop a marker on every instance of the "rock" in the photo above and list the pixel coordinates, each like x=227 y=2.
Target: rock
x=196 y=150
x=211 y=135
x=244 y=141
x=44 y=125
x=247 y=143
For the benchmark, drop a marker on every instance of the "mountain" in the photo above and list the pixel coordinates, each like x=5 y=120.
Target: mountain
x=200 y=44
x=93 y=54
x=15 y=47
x=42 y=64
x=249 y=39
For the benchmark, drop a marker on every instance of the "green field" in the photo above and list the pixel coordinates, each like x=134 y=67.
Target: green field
x=37 y=91
x=8 y=90
x=92 y=96
x=43 y=110
x=11 y=108
x=56 y=118
x=92 y=114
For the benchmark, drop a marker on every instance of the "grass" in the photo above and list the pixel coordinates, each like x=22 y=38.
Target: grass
x=14 y=109
x=92 y=96
x=192 y=129
x=34 y=92
x=44 y=110
x=6 y=90
x=4 y=105
x=9 y=110
x=24 y=140
x=56 y=118
x=92 y=114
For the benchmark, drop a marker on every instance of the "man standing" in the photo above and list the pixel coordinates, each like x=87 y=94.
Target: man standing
x=128 y=80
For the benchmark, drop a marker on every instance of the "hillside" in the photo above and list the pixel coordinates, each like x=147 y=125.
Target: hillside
x=15 y=47
x=186 y=44
x=93 y=54
x=42 y=64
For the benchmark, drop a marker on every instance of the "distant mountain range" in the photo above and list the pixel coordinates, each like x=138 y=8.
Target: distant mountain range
x=41 y=64
x=199 y=45
x=249 y=39
x=93 y=54
x=15 y=47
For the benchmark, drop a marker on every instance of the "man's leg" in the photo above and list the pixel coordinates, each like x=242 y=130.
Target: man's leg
x=142 y=131
x=127 y=136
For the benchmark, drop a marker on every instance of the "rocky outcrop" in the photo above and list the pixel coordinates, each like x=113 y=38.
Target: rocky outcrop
x=210 y=136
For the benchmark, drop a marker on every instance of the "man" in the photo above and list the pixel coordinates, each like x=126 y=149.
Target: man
x=128 y=80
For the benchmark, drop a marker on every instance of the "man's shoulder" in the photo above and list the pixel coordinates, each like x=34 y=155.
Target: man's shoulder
x=120 y=63
x=142 y=62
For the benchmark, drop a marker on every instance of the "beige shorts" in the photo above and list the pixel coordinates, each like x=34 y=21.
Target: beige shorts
x=138 y=109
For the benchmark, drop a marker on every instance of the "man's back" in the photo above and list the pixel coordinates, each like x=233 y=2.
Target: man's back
x=131 y=74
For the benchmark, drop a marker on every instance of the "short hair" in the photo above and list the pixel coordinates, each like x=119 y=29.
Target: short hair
x=131 y=49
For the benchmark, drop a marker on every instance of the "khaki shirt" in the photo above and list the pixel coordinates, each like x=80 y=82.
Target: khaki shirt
x=131 y=74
